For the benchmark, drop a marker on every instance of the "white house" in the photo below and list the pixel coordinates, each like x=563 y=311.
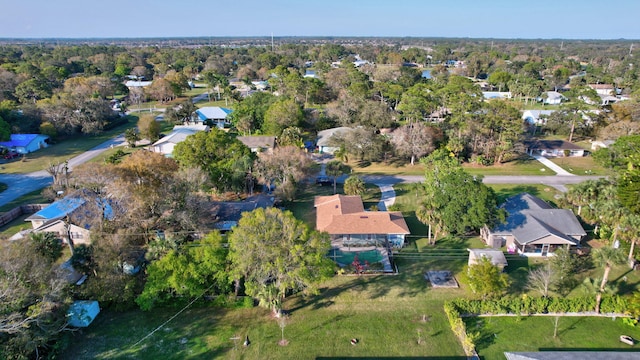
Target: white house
x=214 y=115
x=167 y=143
x=603 y=89
x=554 y=98
x=536 y=117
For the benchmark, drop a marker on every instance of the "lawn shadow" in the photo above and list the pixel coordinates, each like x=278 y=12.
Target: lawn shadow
x=487 y=336
x=518 y=271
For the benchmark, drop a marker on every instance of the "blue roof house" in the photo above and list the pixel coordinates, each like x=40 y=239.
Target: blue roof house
x=214 y=115
x=26 y=143
x=56 y=211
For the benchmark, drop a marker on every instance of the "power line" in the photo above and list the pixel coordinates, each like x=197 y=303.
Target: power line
x=173 y=317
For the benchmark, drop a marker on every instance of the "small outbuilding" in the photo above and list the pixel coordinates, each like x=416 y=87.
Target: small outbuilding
x=82 y=312
x=496 y=256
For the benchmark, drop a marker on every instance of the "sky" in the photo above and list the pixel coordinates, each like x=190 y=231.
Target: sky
x=500 y=19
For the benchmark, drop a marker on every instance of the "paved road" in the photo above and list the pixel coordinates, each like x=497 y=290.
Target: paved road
x=22 y=184
x=557 y=181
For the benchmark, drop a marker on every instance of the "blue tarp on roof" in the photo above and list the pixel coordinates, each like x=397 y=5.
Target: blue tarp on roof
x=19 y=140
x=59 y=208
x=81 y=313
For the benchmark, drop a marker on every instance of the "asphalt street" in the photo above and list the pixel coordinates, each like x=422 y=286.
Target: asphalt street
x=22 y=184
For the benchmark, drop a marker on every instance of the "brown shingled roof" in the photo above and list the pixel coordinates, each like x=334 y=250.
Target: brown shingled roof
x=341 y=214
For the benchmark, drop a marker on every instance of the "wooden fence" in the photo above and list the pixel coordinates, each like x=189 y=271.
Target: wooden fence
x=18 y=211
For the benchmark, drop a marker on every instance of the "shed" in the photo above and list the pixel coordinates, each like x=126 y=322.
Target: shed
x=496 y=256
x=82 y=312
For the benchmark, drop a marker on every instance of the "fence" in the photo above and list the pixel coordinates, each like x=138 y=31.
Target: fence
x=18 y=211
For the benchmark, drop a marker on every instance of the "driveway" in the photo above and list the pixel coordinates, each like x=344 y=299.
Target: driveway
x=551 y=165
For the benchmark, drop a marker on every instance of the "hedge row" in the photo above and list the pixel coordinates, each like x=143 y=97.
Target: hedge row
x=459 y=328
x=527 y=305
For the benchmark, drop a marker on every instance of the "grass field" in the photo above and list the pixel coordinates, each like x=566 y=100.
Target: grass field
x=524 y=166
x=389 y=315
x=584 y=165
x=500 y=334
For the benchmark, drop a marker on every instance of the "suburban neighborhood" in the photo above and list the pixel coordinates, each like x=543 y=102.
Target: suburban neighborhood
x=319 y=198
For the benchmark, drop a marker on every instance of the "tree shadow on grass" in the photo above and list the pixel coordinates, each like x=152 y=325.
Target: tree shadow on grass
x=487 y=336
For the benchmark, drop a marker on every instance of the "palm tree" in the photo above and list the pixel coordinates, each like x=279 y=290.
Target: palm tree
x=629 y=231
x=606 y=257
x=426 y=214
x=335 y=168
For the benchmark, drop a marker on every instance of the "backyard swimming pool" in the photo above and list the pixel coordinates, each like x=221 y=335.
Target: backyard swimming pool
x=346 y=257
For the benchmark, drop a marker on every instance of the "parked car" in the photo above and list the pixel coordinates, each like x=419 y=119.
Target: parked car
x=11 y=155
x=323 y=180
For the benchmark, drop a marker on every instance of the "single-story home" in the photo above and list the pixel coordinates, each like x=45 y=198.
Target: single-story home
x=496 y=256
x=488 y=95
x=603 y=89
x=553 y=98
x=78 y=234
x=324 y=139
x=167 y=143
x=310 y=74
x=533 y=227
x=259 y=144
x=536 y=117
x=226 y=214
x=137 y=84
x=56 y=211
x=70 y=217
x=26 y=143
x=344 y=218
x=213 y=115
x=554 y=148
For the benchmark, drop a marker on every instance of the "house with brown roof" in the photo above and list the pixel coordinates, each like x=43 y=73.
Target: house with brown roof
x=344 y=218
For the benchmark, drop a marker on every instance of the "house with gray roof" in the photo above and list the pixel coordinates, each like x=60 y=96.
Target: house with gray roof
x=259 y=144
x=324 y=142
x=534 y=228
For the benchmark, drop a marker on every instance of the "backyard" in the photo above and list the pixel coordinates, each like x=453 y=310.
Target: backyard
x=398 y=316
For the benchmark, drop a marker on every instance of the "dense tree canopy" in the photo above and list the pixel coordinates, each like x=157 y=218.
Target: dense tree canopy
x=217 y=153
x=276 y=254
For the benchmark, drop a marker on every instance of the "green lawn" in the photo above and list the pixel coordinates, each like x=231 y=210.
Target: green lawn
x=15 y=226
x=33 y=197
x=385 y=313
x=546 y=193
x=500 y=334
x=523 y=166
x=64 y=150
x=581 y=165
